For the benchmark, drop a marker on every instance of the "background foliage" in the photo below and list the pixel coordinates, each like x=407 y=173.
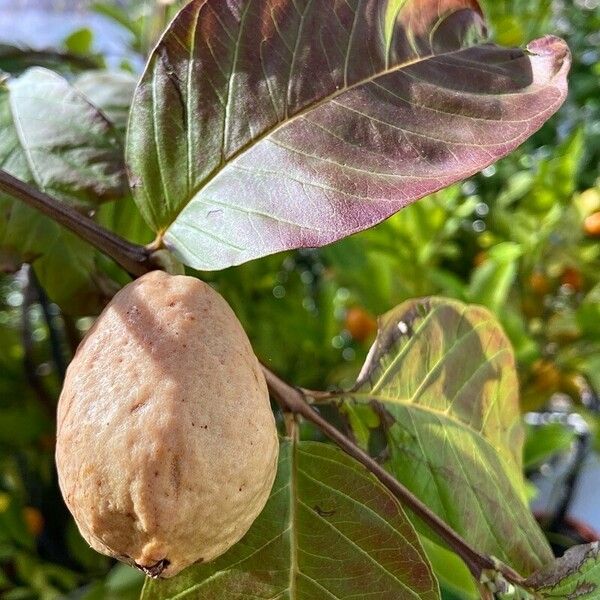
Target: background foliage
x=511 y=239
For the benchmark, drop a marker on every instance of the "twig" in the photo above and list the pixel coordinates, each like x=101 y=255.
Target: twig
x=133 y=258
x=570 y=483
x=34 y=380
x=56 y=346
x=31 y=56
x=293 y=400
x=136 y=259
x=72 y=335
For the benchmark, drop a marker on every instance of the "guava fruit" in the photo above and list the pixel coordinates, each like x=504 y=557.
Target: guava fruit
x=166 y=442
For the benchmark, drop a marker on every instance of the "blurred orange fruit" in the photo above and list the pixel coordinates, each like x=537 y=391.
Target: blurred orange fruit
x=539 y=283
x=33 y=520
x=480 y=258
x=572 y=276
x=360 y=324
x=591 y=225
x=546 y=375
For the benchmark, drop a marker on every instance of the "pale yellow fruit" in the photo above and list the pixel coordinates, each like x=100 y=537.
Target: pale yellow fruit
x=166 y=445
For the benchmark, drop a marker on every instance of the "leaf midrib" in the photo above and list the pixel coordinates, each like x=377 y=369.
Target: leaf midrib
x=378 y=397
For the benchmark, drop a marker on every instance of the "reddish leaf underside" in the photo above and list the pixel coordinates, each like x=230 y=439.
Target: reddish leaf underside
x=264 y=125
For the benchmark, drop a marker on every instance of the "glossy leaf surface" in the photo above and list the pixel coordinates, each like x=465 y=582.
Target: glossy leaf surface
x=329 y=531
x=442 y=377
x=264 y=125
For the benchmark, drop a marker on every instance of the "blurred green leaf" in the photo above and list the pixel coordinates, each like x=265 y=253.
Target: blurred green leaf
x=80 y=41
x=55 y=139
x=491 y=282
x=543 y=442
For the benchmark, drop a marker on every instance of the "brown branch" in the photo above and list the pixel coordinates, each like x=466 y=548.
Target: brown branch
x=137 y=260
x=133 y=258
x=33 y=57
x=293 y=400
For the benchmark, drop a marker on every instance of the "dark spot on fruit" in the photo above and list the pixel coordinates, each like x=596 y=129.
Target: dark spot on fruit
x=175 y=473
x=136 y=406
x=155 y=570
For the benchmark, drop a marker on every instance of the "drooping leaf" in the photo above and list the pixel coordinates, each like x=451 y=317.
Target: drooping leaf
x=451 y=572
x=329 y=531
x=574 y=576
x=64 y=144
x=260 y=126
x=52 y=137
x=110 y=91
x=441 y=375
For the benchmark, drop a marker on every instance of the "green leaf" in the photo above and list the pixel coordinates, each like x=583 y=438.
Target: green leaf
x=543 y=442
x=491 y=281
x=576 y=575
x=441 y=374
x=16 y=59
x=260 y=126
x=52 y=137
x=80 y=41
x=110 y=91
x=329 y=531
x=450 y=570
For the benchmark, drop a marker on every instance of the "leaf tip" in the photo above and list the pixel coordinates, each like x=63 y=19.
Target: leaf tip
x=552 y=47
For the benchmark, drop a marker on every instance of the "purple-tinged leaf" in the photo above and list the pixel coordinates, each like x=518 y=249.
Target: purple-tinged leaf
x=264 y=125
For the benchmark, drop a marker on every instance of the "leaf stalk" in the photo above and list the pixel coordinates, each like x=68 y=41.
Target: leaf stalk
x=136 y=260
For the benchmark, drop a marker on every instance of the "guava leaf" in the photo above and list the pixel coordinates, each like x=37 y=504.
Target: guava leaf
x=329 y=531
x=52 y=137
x=61 y=141
x=264 y=125
x=110 y=91
x=574 y=576
x=441 y=375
